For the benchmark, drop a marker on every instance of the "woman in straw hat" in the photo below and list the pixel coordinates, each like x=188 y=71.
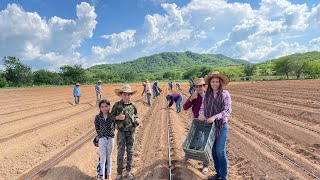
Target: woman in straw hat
x=76 y=93
x=125 y=114
x=195 y=101
x=215 y=108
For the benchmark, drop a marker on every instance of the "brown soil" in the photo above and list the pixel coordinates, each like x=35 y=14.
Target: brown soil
x=270 y=120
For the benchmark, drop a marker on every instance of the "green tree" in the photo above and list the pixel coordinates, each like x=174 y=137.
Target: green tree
x=45 y=77
x=16 y=73
x=72 y=74
x=283 y=66
x=3 y=82
x=313 y=69
x=299 y=67
x=249 y=69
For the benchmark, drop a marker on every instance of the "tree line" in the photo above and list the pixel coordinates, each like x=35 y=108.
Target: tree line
x=17 y=74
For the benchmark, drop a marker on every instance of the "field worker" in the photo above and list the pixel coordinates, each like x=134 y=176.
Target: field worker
x=98 y=89
x=178 y=86
x=177 y=98
x=148 y=92
x=156 y=90
x=76 y=93
x=125 y=114
x=170 y=85
x=195 y=101
x=105 y=129
x=215 y=108
x=144 y=89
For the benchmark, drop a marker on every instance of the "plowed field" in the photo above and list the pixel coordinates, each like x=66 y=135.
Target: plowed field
x=274 y=133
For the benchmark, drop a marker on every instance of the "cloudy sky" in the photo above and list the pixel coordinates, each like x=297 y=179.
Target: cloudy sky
x=49 y=34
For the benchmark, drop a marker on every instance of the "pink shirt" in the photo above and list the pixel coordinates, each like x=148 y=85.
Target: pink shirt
x=227 y=107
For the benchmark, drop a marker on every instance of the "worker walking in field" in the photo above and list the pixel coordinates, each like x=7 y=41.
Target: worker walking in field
x=177 y=98
x=125 y=114
x=194 y=102
x=215 y=107
x=105 y=127
x=98 y=89
x=156 y=90
x=148 y=92
x=76 y=93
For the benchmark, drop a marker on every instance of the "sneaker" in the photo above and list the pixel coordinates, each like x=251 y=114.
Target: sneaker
x=215 y=177
x=129 y=175
x=119 y=177
x=205 y=170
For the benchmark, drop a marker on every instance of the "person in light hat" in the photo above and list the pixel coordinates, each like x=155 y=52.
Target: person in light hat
x=77 y=93
x=195 y=101
x=148 y=92
x=125 y=114
x=98 y=89
x=215 y=108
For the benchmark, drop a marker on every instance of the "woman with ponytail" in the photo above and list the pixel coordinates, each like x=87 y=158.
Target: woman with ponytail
x=215 y=108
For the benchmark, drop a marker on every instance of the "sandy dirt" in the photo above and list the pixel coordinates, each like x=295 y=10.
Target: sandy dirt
x=273 y=129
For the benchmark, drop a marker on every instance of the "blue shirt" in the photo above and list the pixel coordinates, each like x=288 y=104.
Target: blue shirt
x=98 y=88
x=76 y=91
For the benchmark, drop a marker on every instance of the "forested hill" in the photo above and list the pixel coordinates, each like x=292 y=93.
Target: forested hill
x=170 y=61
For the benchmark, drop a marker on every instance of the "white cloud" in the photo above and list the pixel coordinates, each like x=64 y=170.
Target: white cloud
x=276 y=28
x=49 y=43
x=314 y=44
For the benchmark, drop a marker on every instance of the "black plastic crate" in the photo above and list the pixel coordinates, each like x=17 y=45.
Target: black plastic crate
x=199 y=141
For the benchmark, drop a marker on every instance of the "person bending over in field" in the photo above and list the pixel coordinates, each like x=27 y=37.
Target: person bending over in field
x=177 y=98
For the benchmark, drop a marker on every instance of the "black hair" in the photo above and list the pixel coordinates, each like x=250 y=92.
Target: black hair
x=103 y=101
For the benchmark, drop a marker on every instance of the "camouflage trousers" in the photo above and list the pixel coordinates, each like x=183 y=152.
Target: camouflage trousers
x=125 y=140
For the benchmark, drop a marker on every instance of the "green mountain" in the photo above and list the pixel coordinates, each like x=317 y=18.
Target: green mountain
x=170 y=61
x=307 y=63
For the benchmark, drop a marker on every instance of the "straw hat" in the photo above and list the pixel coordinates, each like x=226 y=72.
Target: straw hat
x=77 y=84
x=216 y=74
x=99 y=81
x=124 y=88
x=199 y=81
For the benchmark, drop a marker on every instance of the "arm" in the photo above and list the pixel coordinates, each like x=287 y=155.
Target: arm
x=171 y=102
x=98 y=127
x=187 y=104
x=113 y=112
x=227 y=106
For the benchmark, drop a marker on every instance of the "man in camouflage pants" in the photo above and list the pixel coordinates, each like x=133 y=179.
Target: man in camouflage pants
x=126 y=116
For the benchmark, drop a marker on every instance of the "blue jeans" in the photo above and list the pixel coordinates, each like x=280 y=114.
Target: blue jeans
x=148 y=99
x=219 y=152
x=178 y=103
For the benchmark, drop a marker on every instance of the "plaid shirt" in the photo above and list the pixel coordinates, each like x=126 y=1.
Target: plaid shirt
x=226 y=107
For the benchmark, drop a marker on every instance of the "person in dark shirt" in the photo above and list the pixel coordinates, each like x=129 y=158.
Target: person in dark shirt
x=177 y=98
x=194 y=102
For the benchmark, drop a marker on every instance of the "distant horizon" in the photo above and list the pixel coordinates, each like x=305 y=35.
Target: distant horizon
x=49 y=34
x=156 y=54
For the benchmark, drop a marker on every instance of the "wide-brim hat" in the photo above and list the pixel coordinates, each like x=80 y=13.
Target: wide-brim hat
x=99 y=81
x=124 y=88
x=198 y=82
x=77 y=84
x=216 y=74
